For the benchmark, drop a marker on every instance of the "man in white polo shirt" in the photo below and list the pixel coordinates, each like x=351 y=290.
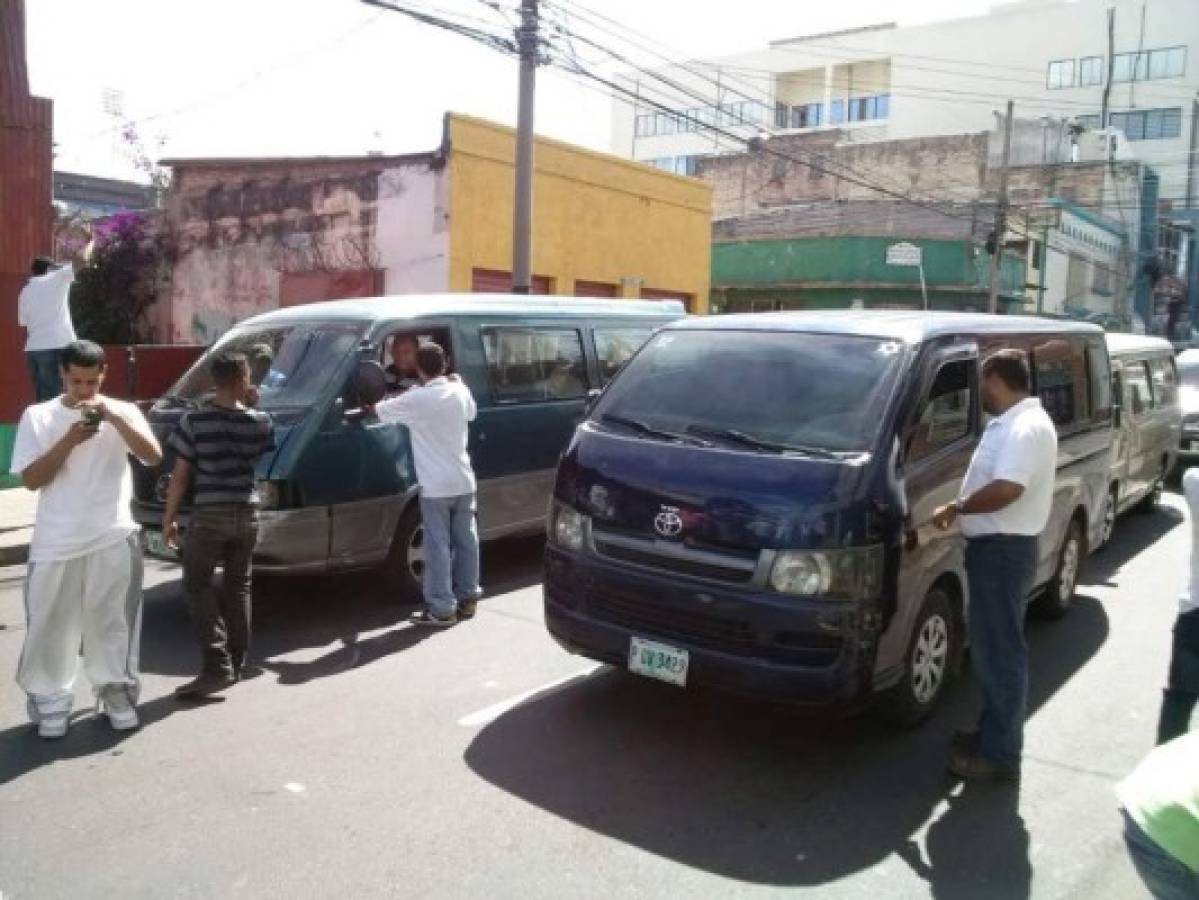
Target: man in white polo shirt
x=437 y=414
x=44 y=309
x=1003 y=508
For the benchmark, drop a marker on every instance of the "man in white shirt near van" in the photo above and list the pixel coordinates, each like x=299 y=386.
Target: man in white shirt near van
x=1181 y=693
x=44 y=310
x=1004 y=506
x=83 y=584
x=437 y=414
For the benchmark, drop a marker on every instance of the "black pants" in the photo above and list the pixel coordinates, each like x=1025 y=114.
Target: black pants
x=222 y=534
x=1182 y=688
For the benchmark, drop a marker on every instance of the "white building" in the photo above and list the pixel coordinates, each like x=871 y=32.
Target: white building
x=1074 y=262
x=1052 y=57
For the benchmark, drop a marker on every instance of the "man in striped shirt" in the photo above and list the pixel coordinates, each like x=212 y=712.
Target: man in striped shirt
x=217 y=447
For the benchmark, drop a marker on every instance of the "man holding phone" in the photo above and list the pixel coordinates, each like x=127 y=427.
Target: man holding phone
x=84 y=579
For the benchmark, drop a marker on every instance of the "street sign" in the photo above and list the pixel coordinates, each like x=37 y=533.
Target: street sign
x=904 y=254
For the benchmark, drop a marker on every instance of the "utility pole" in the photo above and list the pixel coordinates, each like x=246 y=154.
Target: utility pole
x=522 y=218
x=1000 y=211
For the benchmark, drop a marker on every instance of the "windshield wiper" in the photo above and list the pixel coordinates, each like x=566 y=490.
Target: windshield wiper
x=649 y=431
x=731 y=435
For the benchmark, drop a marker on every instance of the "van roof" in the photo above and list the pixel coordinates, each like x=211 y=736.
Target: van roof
x=909 y=326
x=417 y=306
x=1118 y=344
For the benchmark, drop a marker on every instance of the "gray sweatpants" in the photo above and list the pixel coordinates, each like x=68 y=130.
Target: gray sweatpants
x=93 y=600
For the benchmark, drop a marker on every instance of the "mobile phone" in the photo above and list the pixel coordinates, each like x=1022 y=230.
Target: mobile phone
x=92 y=417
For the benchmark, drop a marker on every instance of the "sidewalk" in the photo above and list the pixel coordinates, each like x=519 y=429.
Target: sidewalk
x=17 y=507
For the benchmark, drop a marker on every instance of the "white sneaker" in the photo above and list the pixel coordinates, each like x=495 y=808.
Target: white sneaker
x=121 y=714
x=53 y=727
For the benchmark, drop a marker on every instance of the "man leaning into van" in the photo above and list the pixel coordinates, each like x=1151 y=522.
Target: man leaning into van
x=1003 y=507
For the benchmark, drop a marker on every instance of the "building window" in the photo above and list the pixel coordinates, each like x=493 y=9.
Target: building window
x=1090 y=122
x=1101 y=277
x=1061 y=73
x=1090 y=71
x=1036 y=251
x=807 y=116
x=677 y=165
x=1148 y=124
x=866 y=109
x=1167 y=62
x=836 y=113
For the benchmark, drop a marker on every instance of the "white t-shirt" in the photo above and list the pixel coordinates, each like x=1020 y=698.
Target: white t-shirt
x=436 y=414
x=44 y=311
x=1019 y=446
x=86 y=506
x=1190 y=489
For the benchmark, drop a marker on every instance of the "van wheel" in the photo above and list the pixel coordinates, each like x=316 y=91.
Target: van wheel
x=404 y=568
x=1055 y=601
x=1110 y=507
x=930 y=663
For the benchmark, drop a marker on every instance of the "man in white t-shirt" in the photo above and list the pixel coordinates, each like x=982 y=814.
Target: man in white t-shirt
x=438 y=414
x=1004 y=507
x=44 y=309
x=84 y=579
x=1181 y=693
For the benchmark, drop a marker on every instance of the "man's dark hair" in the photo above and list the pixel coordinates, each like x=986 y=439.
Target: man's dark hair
x=430 y=359
x=1010 y=367
x=41 y=265
x=84 y=354
x=228 y=366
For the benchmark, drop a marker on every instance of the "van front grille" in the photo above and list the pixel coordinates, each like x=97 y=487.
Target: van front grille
x=653 y=560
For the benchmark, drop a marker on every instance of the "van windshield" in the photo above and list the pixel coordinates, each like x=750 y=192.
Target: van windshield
x=290 y=364
x=769 y=392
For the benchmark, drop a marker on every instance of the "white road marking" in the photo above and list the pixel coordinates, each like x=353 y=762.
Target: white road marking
x=493 y=712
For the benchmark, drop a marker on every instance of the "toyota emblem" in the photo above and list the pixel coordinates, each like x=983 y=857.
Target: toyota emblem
x=162 y=486
x=668 y=522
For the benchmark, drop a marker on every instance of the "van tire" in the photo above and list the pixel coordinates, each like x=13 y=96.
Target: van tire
x=404 y=565
x=930 y=663
x=1058 y=595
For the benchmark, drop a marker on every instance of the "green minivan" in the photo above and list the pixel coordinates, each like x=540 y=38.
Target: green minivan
x=338 y=491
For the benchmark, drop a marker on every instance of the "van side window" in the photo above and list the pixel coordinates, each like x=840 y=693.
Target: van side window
x=1060 y=379
x=1136 y=388
x=614 y=347
x=945 y=414
x=527 y=365
x=1165 y=382
x=1101 y=382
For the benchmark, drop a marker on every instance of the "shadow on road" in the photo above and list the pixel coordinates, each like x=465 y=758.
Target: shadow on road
x=1135 y=532
x=763 y=794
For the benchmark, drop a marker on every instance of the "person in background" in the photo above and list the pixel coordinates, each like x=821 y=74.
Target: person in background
x=402 y=372
x=1004 y=506
x=1182 y=686
x=437 y=415
x=44 y=310
x=1160 y=805
x=219 y=446
x=83 y=585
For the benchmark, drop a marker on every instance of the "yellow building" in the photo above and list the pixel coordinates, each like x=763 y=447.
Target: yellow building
x=602 y=226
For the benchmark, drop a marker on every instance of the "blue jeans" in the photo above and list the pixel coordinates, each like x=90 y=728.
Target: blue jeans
x=1001 y=570
x=44 y=373
x=1164 y=876
x=451 y=552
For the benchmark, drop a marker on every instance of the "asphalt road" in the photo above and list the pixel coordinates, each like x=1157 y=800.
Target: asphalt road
x=372 y=759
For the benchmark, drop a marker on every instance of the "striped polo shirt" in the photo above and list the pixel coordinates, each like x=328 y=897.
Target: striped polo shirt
x=223 y=446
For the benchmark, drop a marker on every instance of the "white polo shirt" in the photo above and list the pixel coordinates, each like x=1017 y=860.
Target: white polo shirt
x=44 y=309
x=1190 y=489
x=1019 y=446
x=437 y=414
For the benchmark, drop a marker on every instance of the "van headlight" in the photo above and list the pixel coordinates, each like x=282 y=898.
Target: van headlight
x=853 y=574
x=567 y=527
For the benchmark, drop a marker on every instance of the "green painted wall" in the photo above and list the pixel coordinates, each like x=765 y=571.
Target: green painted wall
x=8 y=434
x=853 y=264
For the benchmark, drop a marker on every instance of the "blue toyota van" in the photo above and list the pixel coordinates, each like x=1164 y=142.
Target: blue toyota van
x=339 y=491
x=748 y=504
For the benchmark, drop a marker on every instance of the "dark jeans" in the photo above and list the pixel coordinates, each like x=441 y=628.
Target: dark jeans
x=223 y=533
x=43 y=372
x=1182 y=688
x=1164 y=876
x=1001 y=570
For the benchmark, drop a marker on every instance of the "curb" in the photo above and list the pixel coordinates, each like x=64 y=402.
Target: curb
x=14 y=547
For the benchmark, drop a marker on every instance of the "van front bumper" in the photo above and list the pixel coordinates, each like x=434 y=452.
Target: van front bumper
x=290 y=541
x=765 y=645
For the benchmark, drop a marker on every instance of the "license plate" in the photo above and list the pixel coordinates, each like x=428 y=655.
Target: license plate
x=156 y=545
x=655 y=660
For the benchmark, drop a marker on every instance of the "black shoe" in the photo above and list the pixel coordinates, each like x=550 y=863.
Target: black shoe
x=247 y=672
x=972 y=767
x=467 y=609
x=426 y=618
x=207 y=684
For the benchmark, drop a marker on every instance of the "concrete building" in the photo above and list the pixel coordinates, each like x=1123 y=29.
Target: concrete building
x=884 y=82
x=255 y=234
x=91 y=197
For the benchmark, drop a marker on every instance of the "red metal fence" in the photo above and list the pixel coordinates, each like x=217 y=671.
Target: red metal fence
x=145 y=371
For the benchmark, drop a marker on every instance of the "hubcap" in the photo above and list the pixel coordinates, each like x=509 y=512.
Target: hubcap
x=416 y=554
x=929 y=658
x=1069 y=568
